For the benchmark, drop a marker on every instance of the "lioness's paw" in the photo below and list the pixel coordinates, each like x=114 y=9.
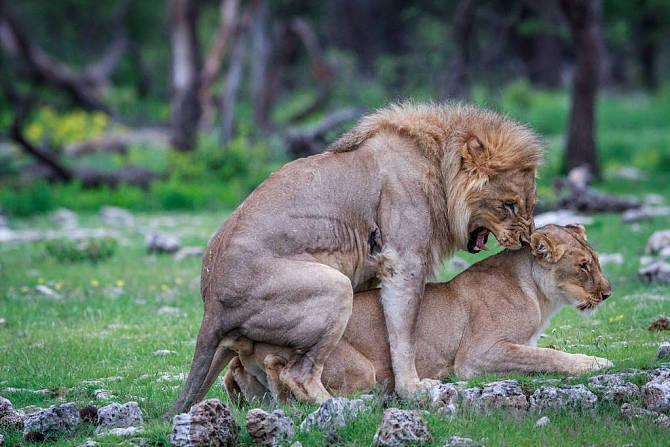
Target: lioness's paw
x=587 y=363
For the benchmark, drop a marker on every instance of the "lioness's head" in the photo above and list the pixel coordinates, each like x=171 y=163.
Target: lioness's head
x=570 y=265
x=502 y=168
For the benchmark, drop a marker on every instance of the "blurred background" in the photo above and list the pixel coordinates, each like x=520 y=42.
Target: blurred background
x=189 y=105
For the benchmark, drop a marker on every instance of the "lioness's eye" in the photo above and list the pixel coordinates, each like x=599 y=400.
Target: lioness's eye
x=584 y=266
x=511 y=206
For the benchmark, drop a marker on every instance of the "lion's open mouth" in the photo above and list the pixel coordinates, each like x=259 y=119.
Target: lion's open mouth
x=477 y=240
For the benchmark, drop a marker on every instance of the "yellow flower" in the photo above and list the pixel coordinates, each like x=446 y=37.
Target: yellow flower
x=120 y=283
x=40 y=280
x=617 y=318
x=164 y=287
x=58 y=285
x=95 y=283
x=178 y=280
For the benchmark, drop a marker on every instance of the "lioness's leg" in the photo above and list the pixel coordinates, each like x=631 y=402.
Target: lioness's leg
x=511 y=357
x=347 y=370
x=308 y=307
x=233 y=389
x=247 y=383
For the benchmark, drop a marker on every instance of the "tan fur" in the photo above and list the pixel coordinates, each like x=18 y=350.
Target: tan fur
x=405 y=188
x=465 y=327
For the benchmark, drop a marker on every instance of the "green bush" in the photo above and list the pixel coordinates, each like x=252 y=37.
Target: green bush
x=80 y=250
x=31 y=199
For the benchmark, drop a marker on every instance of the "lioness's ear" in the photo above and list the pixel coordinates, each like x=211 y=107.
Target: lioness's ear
x=474 y=154
x=577 y=228
x=542 y=247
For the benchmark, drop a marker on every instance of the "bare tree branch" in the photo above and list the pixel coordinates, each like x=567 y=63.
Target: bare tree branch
x=302 y=142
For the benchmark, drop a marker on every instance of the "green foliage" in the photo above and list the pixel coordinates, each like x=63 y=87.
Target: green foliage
x=32 y=199
x=79 y=250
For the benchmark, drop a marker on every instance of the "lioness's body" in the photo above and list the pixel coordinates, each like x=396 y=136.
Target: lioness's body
x=486 y=319
x=392 y=198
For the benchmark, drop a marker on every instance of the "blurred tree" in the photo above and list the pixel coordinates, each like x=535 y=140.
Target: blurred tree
x=185 y=74
x=584 y=19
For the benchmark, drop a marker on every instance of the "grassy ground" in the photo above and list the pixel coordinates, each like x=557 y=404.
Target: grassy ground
x=107 y=326
x=108 y=322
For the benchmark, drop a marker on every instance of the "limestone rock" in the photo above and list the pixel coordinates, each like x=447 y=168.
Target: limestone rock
x=189 y=252
x=542 y=422
x=637 y=412
x=269 y=429
x=659 y=374
x=9 y=417
x=657 y=394
x=103 y=394
x=657 y=271
x=457 y=441
x=576 y=397
x=114 y=216
x=645 y=212
x=120 y=431
x=209 y=423
x=65 y=218
x=442 y=395
x=561 y=217
x=162 y=243
x=333 y=414
x=400 y=428
x=503 y=394
x=615 y=387
x=54 y=420
x=658 y=241
x=663 y=350
x=119 y=416
x=611 y=258
x=2 y=439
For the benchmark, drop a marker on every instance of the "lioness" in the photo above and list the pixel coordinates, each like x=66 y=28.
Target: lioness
x=387 y=202
x=486 y=319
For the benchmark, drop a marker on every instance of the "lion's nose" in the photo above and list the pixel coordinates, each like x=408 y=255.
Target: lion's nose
x=605 y=294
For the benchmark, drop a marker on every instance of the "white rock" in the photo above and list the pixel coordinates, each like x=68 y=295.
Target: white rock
x=663 y=350
x=561 y=217
x=114 y=216
x=629 y=173
x=658 y=271
x=269 y=429
x=162 y=243
x=637 y=412
x=164 y=352
x=333 y=414
x=170 y=310
x=457 y=441
x=657 y=394
x=573 y=397
x=442 y=395
x=2 y=439
x=645 y=212
x=120 y=431
x=208 y=423
x=542 y=422
x=658 y=241
x=103 y=394
x=653 y=199
x=88 y=443
x=503 y=394
x=189 y=252
x=54 y=420
x=65 y=218
x=400 y=428
x=9 y=417
x=47 y=291
x=611 y=258
x=119 y=416
x=3 y=322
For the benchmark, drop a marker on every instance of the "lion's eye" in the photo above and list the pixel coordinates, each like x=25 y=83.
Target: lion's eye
x=584 y=266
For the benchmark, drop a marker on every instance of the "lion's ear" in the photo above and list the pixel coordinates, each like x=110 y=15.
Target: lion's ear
x=578 y=229
x=475 y=155
x=542 y=247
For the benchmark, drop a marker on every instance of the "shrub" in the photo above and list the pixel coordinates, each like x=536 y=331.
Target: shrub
x=79 y=250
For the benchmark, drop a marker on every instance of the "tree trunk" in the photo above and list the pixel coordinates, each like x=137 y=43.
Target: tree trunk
x=457 y=84
x=648 y=49
x=584 y=18
x=185 y=104
x=262 y=84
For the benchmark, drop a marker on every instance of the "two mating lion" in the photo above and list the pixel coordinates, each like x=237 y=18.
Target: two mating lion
x=404 y=189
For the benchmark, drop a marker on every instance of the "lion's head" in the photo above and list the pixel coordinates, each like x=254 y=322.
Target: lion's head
x=570 y=265
x=498 y=170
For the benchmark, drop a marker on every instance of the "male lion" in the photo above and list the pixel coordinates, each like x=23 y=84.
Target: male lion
x=388 y=201
x=461 y=326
